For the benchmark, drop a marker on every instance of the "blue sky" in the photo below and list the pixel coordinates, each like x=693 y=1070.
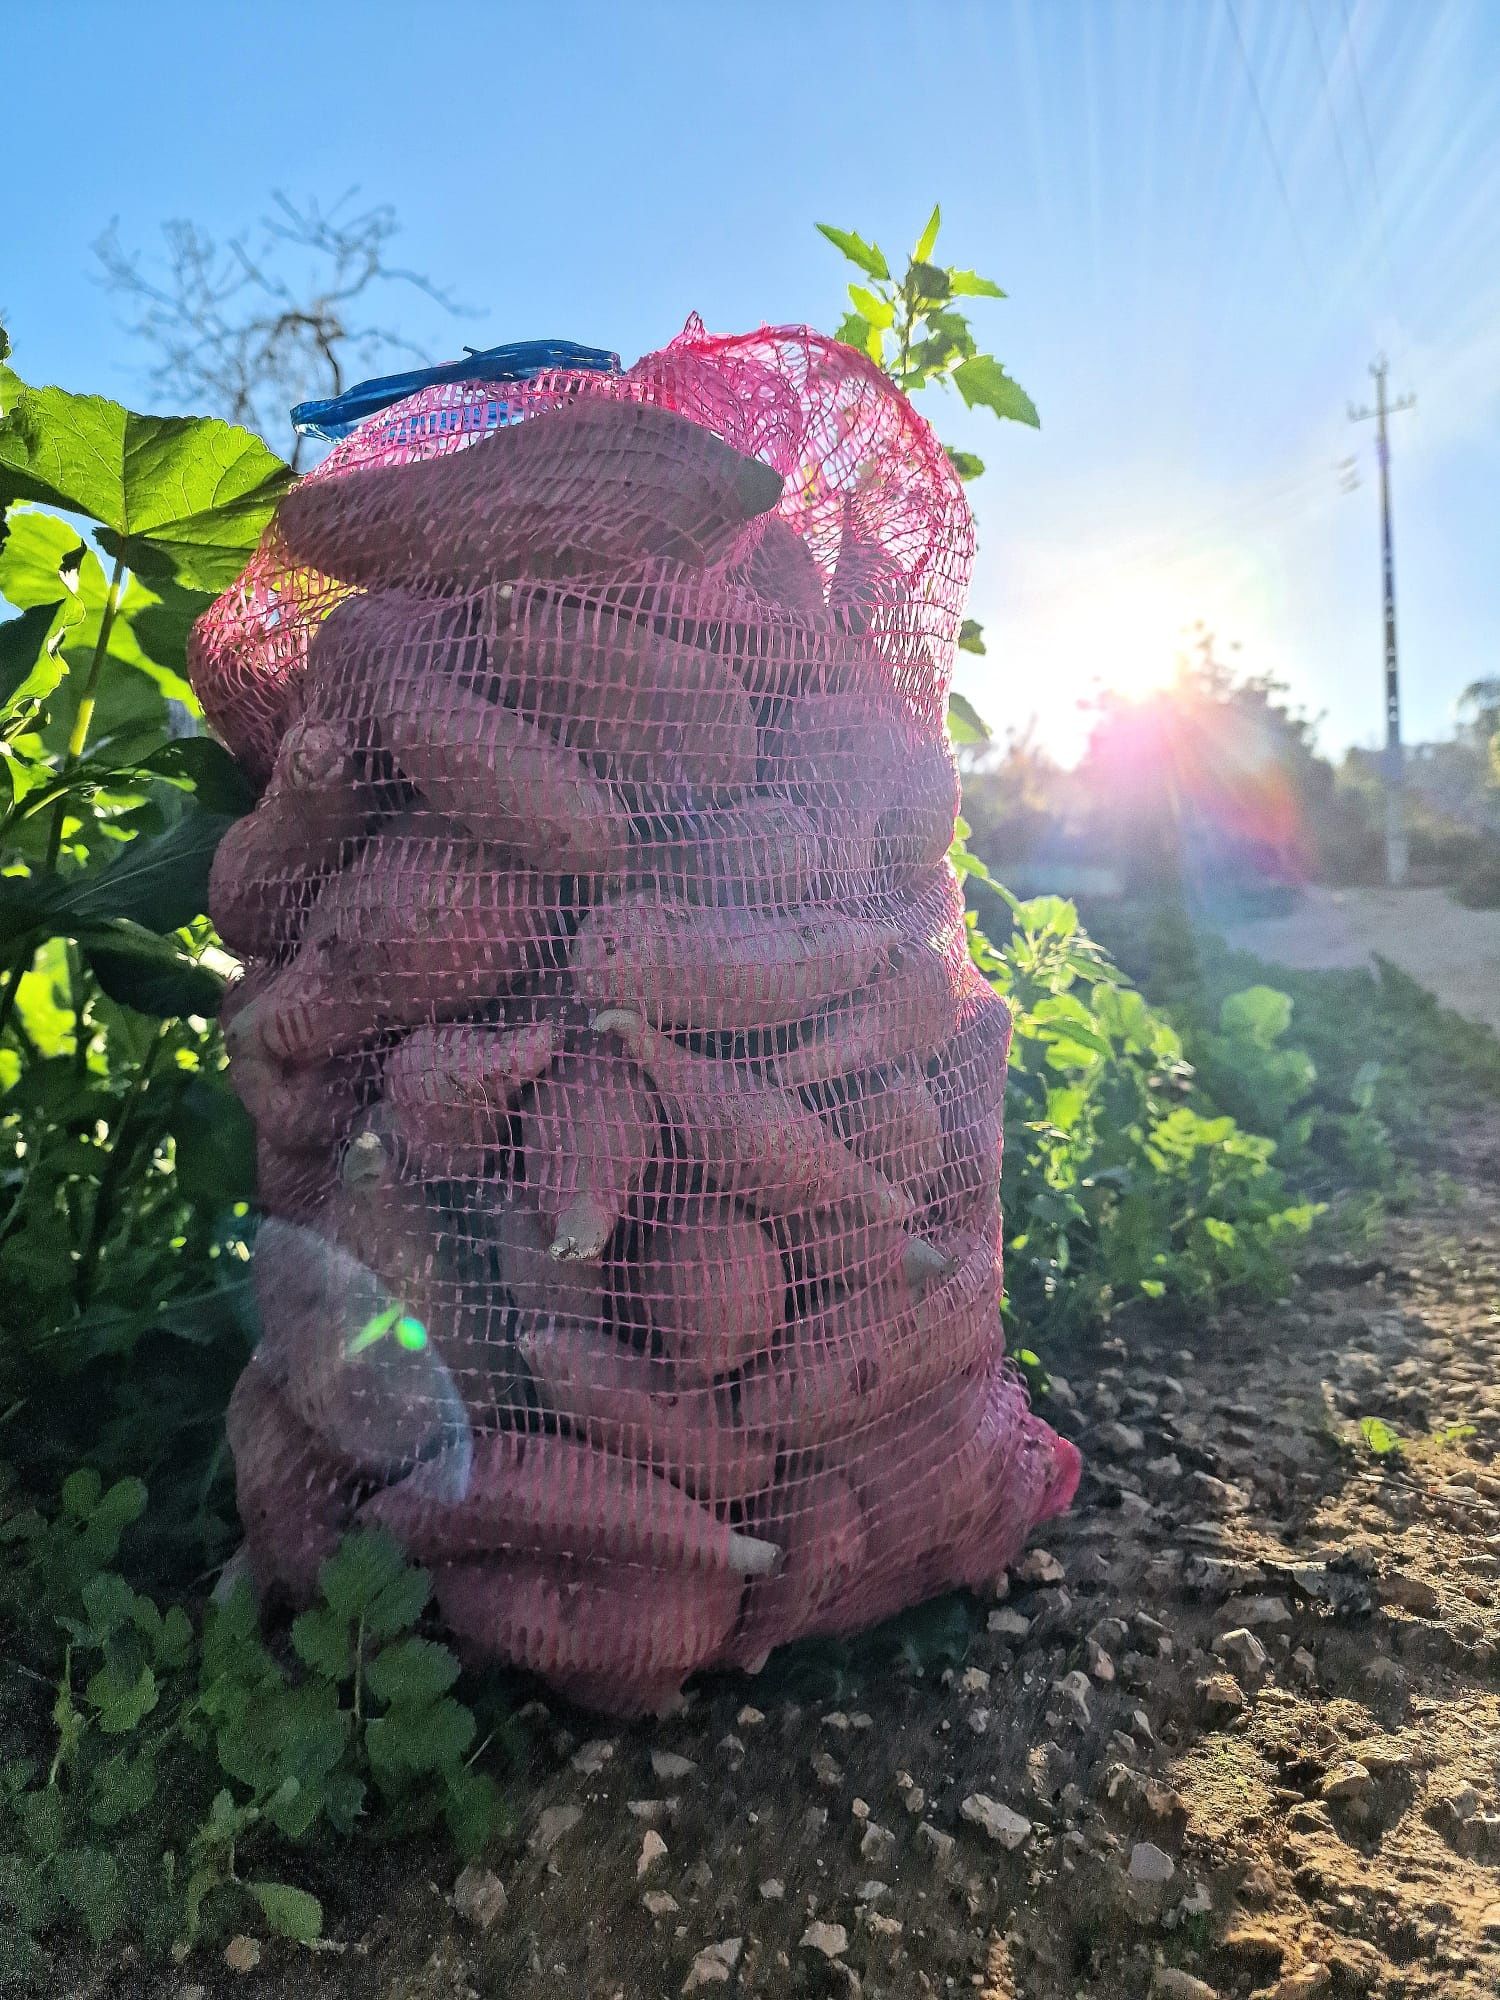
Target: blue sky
x=1195 y=294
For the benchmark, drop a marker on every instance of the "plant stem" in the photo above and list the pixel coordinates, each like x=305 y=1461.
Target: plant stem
x=82 y=721
x=88 y=1261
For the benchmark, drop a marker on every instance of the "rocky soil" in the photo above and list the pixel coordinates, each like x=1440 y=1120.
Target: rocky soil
x=1234 y=1730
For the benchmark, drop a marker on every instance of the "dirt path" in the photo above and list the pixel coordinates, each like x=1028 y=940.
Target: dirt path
x=1235 y=1730
x=1453 y=952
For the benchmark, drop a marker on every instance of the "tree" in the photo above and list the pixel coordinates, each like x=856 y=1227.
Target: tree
x=253 y=325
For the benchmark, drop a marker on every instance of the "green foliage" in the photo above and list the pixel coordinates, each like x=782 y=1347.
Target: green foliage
x=173 y=1766
x=127 y=1162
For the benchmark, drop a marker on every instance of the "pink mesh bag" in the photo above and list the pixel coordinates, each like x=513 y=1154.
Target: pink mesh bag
x=629 y=1113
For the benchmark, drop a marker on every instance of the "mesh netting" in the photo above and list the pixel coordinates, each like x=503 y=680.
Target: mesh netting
x=629 y=1115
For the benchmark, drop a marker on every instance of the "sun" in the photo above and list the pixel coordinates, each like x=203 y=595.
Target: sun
x=1123 y=638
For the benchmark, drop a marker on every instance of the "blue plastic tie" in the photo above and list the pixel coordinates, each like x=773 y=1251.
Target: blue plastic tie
x=520 y=361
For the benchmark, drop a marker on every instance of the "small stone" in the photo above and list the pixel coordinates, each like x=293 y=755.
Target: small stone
x=859 y=1809
x=826 y=1771
x=750 y=1718
x=652 y=1811
x=974 y=1681
x=700 y=1876
x=1073 y=1689
x=1349 y=1780
x=1008 y=1624
x=832 y=1940
x=1463 y=1802
x=979 y=1720
x=731 y=1748
x=1242 y=1652
x=836 y=1719
x=860 y=1720
x=1170 y=1982
x=1410 y=1593
x=669 y=1767
x=591 y=1758
x=242 y=1954
x=1261 y=1613
x=1117 y=1440
x=1489 y=1920
x=939 y=1845
x=714 y=1964
x=653 y=1849
x=871 y=1892
x=1303 y=1668
x=479 y=1896
x=1161 y=1471
x=1100 y=1665
x=880 y=1926
x=1148 y=1864
x=1039 y=1566
x=1221 y=1695
x=878 y=1844
x=772 y=1890
x=659 y=1904
x=552 y=1825
x=1006 y=1828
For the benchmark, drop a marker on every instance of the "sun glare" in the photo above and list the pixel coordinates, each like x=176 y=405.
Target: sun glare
x=1124 y=638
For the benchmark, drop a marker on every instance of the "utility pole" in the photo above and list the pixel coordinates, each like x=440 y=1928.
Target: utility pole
x=1395 y=822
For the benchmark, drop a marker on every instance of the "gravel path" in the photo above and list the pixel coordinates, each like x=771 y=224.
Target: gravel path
x=1453 y=952
x=1234 y=1731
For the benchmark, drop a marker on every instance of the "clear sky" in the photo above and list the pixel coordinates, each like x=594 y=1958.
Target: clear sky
x=1209 y=215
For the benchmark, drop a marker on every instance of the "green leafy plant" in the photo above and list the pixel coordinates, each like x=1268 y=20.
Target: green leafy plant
x=176 y=1768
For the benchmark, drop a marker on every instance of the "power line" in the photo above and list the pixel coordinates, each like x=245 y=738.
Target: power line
x=1338 y=137
x=1265 y=126
x=1364 y=126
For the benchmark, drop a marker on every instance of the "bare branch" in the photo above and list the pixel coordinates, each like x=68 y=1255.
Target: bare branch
x=249 y=327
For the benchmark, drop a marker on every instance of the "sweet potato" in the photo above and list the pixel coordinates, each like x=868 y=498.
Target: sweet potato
x=968 y=1087
x=541 y=1286
x=842 y=753
x=638 y=1406
x=876 y=1349
x=685 y=968
x=903 y=1015
x=848 y=1247
x=589 y=486
x=267 y=869
x=713 y=1287
x=589 y=1131
x=767 y=850
x=454 y=1086
x=783 y=570
x=916 y=829
x=613 y=1640
x=421 y=927
x=301 y=1110
x=540 y=1495
x=816 y=1519
x=294 y=1495
x=290 y=1183
x=867 y=580
x=501 y=777
x=654 y=707
x=889 y=1117
x=754 y=1140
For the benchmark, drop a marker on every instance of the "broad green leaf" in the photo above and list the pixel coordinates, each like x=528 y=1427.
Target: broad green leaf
x=80 y=1492
x=399 y=1605
x=1261 y=1014
x=160 y=882
x=854 y=330
x=875 y=310
x=180 y=497
x=971 y=637
x=869 y=257
x=88 y=1879
x=983 y=382
x=31 y=653
x=412 y=1670
x=124 y=1785
x=139 y=969
x=365 y=1563
x=928 y=281
x=927 y=241
x=323 y=1641
x=122 y=1697
x=965 y=724
x=218 y=783
x=291 y=1913
x=474 y=1809
x=44 y=561
x=969 y=285
x=965 y=463
x=420 y=1737
x=1379 y=1436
